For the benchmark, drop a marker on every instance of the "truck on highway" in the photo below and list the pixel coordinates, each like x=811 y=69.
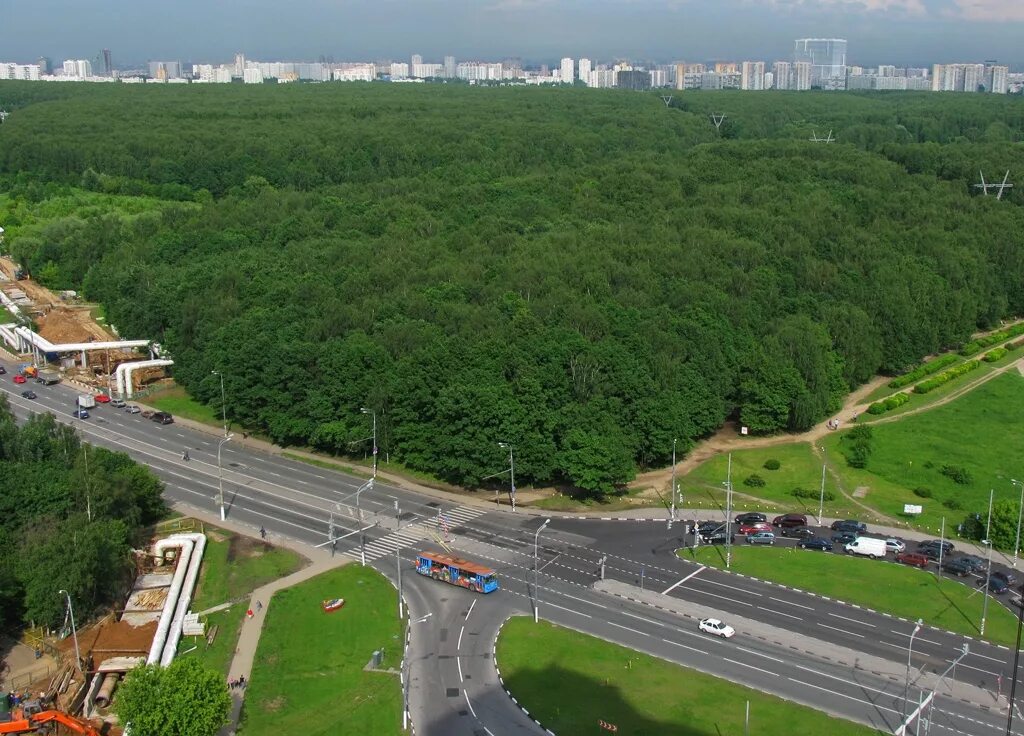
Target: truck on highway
x=48 y=377
x=456 y=571
x=86 y=401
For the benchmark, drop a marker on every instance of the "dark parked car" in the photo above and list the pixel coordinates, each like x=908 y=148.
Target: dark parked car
x=1006 y=577
x=80 y=414
x=162 y=417
x=958 y=566
x=977 y=563
x=931 y=549
x=850 y=525
x=790 y=520
x=913 y=558
x=718 y=537
x=947 y=547
x=995 y=585
x=816 y=543
x=29 y=394
x=3 y=371
x=843 y=537
x=797 y=532
x=751 y=517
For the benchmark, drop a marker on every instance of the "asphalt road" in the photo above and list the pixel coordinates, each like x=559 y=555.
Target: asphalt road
x=453 y=687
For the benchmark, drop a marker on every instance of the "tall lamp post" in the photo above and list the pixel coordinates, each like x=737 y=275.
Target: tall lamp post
x=223 y=402
x=373 y=413
x=536 y=589
x=74 y=631
x=821 y=496
x=987 y=541
x=367 y=486
x=220 y=476
x=1020 y=514
x=511 y=470
x=672 y=513
x=910 y=651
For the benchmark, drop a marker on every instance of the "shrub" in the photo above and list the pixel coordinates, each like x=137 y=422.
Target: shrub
x=945 y=377
x=772 y=464
x=754 y=481
x=858 y=446
x=932 y=366
x=980 y=343
x=861 y=432
x=953 y=504
x=1015 y=345
x=922 y=492
x=993 y=355
x=812 y=493
x=958 y=474
x=877 y=408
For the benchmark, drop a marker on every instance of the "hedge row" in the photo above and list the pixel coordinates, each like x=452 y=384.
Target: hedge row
x=932 y=366
x=946 y=376
x=993 y=355
x=888 y=404
x=975 y=346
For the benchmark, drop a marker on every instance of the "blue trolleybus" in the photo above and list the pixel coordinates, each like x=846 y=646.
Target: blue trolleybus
x=457 y=572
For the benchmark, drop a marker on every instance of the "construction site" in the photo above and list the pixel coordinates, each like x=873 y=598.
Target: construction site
x=71 y=678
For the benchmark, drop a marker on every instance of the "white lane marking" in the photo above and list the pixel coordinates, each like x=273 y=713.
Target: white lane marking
x=976 y=669
x=570 y=610
x=744 y=664
x=459 y=645
x=853 y=620
x=983 y=656
x=843 y=695
x=684 y=646
x=731 y=586
x=723 y=597
x=620 y=626
x=458 y=662
x=672 y=587
x=470 y=609
x=469 y=704
x=791 y=603
x=860 y=685
x=919 y=638
x=841 y=631
x=780 y=613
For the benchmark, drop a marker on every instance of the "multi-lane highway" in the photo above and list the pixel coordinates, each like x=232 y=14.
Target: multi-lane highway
x=790 y=643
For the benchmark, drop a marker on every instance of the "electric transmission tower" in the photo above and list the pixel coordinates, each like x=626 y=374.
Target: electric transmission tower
x=827 y=139
x=718 y=120
x=667 y=99
x=1000 y=188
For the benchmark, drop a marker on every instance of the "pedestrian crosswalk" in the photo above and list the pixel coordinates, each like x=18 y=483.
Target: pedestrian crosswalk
x=437 y=526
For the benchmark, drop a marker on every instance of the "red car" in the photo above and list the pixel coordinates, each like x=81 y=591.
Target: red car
x=913 y=558
x=757 y=526
x=19 y=379
x=102 y=399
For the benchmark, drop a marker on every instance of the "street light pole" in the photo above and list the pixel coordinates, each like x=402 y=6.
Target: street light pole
x=223 y=402
x=728 y=515
x=1020 y=514
x=74 y=631
x=373 y=413
x=988 y=569
x=910 y=651
x=672 y=513
x=536 y=589
x=821 y=497
x=511 y=470
x=220 y=476
x=367 y=486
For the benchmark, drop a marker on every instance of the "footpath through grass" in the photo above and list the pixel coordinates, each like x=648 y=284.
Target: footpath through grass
x=884 y=586
x=233 y=566
x=308 y=674
x=569 y=681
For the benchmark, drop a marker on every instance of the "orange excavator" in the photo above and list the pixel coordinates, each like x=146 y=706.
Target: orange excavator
x=36 y=722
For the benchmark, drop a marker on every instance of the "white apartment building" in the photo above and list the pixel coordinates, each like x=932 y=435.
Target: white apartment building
x=399 y=70
x=77 y=68
x=974 y=77
x=584 y=69
x=358 y=72
x=480 y=71
x=999 y=84
x=252 y=74
x=426 y=71
x=567 y=71
x=602 y=78
x=449 y=67
x=782 y=75
x=752 y=75
x=9 y=70
x=801 y=75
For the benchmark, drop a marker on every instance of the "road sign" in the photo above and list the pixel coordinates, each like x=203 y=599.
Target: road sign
x=909 y=508
x=608 y=726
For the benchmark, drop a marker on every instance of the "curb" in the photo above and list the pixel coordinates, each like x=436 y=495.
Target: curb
x=501 y=681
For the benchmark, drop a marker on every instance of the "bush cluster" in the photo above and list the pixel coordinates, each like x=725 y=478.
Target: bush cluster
x=953 y=504
x=857 y=446
x=1015 y=345
x=754 y=481
x=993 y=355
x=888 y=404
x=922 y=492
x=958 y=474
x=813 y=493
x=772 y=464
x=932 y=366
x=945 y=377
x=975 y=346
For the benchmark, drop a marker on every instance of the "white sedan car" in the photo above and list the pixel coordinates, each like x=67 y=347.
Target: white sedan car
x=716 y=627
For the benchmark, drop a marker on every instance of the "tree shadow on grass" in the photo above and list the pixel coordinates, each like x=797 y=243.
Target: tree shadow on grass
x=568 y=703
x=952 y=605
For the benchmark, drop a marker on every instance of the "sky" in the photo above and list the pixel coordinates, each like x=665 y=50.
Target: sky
x=901 y=32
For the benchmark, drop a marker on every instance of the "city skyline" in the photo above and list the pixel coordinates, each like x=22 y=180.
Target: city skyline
x=901 y=32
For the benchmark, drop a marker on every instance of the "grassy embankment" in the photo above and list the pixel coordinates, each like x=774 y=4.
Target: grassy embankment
x=569 y=681
x=308 y=675
x=233 y=566
x=884 y=586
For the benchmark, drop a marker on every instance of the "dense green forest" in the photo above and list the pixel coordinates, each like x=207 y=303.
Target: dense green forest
x=585 y=274
x=70 y=514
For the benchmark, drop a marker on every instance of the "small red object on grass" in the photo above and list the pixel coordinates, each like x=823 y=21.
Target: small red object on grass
x=334 y=604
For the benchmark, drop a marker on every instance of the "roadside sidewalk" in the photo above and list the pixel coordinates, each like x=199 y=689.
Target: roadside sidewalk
x=320 y=561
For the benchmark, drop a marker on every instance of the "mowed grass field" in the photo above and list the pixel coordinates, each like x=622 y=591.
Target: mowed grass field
x=570 y=681
x=978 y=431
x=308 y=673
x=882 y=585
x=233 y=566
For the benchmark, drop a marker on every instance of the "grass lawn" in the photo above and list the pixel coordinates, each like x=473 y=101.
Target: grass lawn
x=883 y=586
x=176 y=401
x=308 y=674
x=585 y=502
x=568 y=681
x=233 y=566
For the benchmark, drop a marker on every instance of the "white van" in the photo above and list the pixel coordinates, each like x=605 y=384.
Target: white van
x=866 y=546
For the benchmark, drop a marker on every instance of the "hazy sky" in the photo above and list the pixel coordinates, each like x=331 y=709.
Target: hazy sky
x=888 y=31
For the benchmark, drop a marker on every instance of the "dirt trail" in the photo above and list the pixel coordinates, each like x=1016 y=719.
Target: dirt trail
x=728 y=438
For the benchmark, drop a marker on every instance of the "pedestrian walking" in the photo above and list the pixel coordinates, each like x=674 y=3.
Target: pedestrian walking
x=259 y=606
x=241 y=681
x=263 y=533
x=184 y=456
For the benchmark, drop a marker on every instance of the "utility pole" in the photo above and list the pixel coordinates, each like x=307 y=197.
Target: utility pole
x=536 y=571
x=672 y=513
x=88 y=495
x=220 y=476
x=374 y=414
x=74 y=631
x=728 y=515
x=511 y=471
x=223 y=403
x=1020 y=514
x=988 y=568
x=367 y=486
x=910 y=651
x=821 y=496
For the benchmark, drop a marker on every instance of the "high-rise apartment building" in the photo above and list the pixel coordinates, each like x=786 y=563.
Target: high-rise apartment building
x=567 y=71
x=108 y=67
x=827 y=57
x=802 y=75
x=1000 y=80
x=449 y=67
x=782 y=75
x=974 y=77
x=584 y=70
x=165 y=69
x=78 y=68
x=726 y=67
x=886 y=70
x=752 y=75
x=414 y=60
